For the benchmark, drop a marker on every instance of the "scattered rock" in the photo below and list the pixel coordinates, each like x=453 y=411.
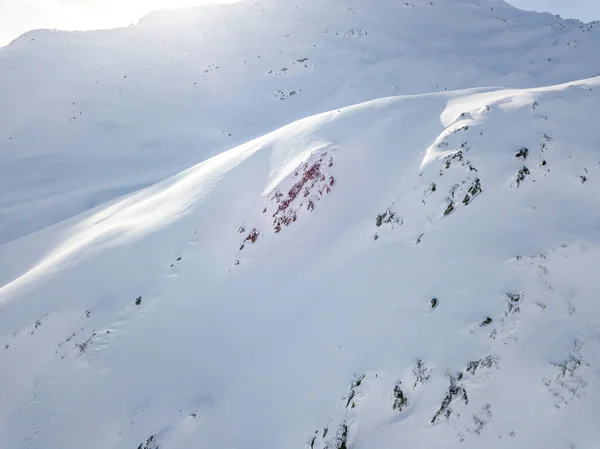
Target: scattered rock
x=389 y=217
x=454 y=391
x=475 y=188
x=421 y=373
x=252 y=236
x=150 y=443
x=522 y=174
x=485 y=322
x=341 y=439
x=400 y=400
x=514 y=297
x=357 y=383
x=522 y=154
x=486 y=362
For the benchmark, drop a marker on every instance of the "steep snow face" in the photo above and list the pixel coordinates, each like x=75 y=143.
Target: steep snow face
x=89 y=117
x=414 y=271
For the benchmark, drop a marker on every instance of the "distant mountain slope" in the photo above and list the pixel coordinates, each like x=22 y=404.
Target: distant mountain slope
x=413 y=271
x=88 y=117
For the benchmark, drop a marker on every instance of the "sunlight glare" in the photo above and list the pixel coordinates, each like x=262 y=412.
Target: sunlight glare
x=20 y=16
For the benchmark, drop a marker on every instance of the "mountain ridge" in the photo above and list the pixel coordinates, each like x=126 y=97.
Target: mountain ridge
x=156 y=102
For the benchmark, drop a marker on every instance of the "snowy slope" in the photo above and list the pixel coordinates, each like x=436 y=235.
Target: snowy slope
x=92 y=116
x=414 y=270
x=249 y=337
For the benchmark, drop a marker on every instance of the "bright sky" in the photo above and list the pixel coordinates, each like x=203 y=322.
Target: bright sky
x=585 y=10
x=19 y=16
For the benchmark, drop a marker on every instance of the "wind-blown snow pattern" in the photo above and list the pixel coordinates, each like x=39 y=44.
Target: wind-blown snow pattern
x=308 y=224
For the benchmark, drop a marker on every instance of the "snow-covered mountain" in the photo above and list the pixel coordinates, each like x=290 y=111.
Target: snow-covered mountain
x=302 y=224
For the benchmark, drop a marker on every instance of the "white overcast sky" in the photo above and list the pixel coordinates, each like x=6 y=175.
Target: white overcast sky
x=19 y=16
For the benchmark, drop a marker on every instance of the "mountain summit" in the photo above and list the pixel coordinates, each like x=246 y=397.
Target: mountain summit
x=302 y=224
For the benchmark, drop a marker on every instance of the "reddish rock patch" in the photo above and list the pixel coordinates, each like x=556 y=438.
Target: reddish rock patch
x=311 y=182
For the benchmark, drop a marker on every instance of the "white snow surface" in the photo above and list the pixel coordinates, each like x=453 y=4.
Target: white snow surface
x=318 y=224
